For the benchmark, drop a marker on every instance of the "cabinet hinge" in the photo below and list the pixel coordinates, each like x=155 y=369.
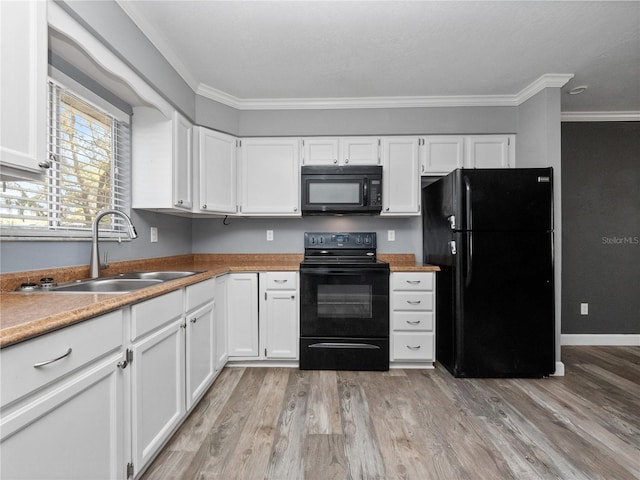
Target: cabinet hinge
x=129 y=470
x=509 y=141
x=265 y=295
x=265 y=352
x=129 y=355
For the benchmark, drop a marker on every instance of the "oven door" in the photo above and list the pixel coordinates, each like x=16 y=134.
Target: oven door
x=348 y=302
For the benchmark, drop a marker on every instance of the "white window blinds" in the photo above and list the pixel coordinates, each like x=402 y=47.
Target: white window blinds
x=89 y=151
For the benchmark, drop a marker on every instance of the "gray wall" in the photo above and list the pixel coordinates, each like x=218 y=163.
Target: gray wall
x=108 y=22
x=601 y=234
x=174 y=239
x=368 y=121
x=248 y=235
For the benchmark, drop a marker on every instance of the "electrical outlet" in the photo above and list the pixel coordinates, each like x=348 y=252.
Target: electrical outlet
x=153 y=234
x=584 y=309
x=269 y=235
x=391 y=235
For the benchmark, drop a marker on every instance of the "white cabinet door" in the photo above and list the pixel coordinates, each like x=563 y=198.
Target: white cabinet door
x=400 y=176
x=182 y=162
x=161 y=161
x=201 y=352
x=242 y=310
x=441 y=154
x=216 y=177
x=158 y=386
x=222 y=350
x=320 y=150
x=270 y=176
x=23 y=96
x=78 y=430
x=490 y=151
x=279 y=314
x=360 y=150
x=281 y=319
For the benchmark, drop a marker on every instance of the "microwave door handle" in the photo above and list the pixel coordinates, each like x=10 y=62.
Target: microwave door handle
x=365 y=192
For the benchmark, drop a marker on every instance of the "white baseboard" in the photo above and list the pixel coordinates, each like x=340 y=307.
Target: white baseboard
x=601 y=339
x=559 y=370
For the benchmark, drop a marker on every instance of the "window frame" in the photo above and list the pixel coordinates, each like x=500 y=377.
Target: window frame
x=49 y=233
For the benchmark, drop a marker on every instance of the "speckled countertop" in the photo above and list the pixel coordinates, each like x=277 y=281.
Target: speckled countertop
x=27 y=315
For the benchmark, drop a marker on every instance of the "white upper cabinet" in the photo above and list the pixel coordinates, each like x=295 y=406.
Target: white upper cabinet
x=400 y=176
x=490 y=151
x=161 y=154
x=270 y=176
x=341 y=151
x=23 y=95
x=215 y=172
x=440 y=155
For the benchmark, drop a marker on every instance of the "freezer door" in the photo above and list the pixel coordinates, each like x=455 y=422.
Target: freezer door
x=503 y=199
x=504 y=305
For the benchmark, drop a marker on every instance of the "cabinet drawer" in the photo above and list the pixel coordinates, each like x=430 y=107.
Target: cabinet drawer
x=281 y=281
x=413 y=346
x=419 y=321
x=152 y=314
x=85 y=342
x=412 y=281
x=412 y=300
x=200 y=293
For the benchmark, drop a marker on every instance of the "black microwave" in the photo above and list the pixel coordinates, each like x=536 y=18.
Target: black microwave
x=335 y=190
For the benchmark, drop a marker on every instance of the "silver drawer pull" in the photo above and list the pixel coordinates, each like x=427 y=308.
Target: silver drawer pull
x=414 y=282
x=42 y=364
x=414 y=302
x=413 y=348
x=413 y=322
x=280 y=281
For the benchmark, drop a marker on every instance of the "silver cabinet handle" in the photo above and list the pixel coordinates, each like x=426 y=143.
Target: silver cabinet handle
x=47 y=362
x=180 y=202
x=204 y=207
x=414 y=302
x=281 y=280
x=346 y=160
x=335 y=161
x=413 y=348
x=44 y=164
x=413 y=322
x=194 y=320
x=295 y=209
x=413 y=282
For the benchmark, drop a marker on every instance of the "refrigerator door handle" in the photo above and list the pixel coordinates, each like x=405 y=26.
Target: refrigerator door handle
x=469 y=260
x=452 y=246
x=467 y=187
x=452 y=221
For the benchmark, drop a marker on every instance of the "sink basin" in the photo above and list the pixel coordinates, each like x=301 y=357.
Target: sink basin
x=159 y=275
x=123 y=282
x=105 y=285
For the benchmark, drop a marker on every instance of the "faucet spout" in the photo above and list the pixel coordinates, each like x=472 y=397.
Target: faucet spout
x=94 y=264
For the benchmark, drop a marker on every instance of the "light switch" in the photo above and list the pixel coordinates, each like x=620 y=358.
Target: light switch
x=153 y=234
x=391 y=235
x=269 y=235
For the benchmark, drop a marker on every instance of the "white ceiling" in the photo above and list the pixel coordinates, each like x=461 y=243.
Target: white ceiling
x=283 y=54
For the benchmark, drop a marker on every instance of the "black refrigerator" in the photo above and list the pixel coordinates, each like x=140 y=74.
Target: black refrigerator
x=491 y=233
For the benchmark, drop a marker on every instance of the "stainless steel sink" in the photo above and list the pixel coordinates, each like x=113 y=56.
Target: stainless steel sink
x=123 y=282
x=105 y=285
x=159 y=275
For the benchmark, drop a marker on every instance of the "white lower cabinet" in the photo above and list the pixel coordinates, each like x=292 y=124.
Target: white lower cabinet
x=158 y=374
x=64 y=413
x=279 y=309
x=201 y=353
x=412 y=317
x=242 y=314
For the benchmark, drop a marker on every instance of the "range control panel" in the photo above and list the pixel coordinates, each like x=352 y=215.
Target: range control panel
x=340 y=240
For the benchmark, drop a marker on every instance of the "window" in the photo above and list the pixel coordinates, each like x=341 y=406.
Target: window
x=89 y=153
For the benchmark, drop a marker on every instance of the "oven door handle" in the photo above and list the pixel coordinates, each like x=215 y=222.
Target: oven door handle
x=337 y=271
x=344 y=345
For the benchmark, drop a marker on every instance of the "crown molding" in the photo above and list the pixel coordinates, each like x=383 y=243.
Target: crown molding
x=556 y=80
x=600 y=116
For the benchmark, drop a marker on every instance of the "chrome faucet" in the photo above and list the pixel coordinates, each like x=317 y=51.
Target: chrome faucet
x=94 y=265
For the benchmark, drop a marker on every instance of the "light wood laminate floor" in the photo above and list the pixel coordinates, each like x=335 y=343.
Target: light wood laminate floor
x=278 y=423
